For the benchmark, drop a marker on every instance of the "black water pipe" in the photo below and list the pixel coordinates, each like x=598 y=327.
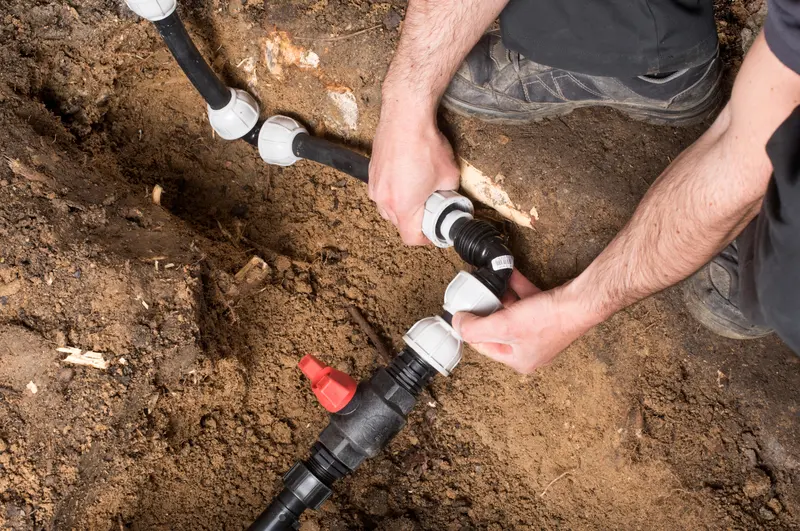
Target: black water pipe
x=214 y=91
x=330 y=154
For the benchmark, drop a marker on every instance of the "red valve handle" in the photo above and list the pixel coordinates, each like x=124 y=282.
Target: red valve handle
x=334 y=389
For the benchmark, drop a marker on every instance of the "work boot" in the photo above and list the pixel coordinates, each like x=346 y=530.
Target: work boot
x=497 y=85
x=711 y=297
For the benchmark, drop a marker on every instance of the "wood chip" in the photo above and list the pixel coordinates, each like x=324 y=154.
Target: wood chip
x=157 y=191
x=86 y=358
x=484 y=189
x=28 y=173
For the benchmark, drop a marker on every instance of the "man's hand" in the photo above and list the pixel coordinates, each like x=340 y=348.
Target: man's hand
x=531 y=330
x=411 y=159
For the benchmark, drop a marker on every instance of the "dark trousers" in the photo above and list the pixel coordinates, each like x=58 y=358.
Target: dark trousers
x=620 y=38
x=769 y=248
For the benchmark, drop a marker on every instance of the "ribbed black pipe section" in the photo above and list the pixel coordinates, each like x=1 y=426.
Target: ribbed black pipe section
x=214 y=91
x=479 y=244
x=410 y=371
x=330 y=154
x=324 y=465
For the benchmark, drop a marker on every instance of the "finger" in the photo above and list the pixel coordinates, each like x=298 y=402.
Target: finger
x=495 y=351
x=410 y=228
x=509 y=297
x=521 y=285
x=492 y=329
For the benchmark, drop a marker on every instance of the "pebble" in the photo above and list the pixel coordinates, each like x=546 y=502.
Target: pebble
x=66 y=374
x=3 y=446
x=282 y=263
x=392 y=20
x=775 y=505
x=758 y=484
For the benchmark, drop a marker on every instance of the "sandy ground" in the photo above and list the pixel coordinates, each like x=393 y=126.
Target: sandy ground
x=648 y=422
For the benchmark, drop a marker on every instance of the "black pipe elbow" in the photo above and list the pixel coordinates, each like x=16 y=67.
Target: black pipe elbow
x=481 y=245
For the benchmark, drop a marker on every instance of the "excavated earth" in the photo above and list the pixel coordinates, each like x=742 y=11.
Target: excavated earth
x=648 y=422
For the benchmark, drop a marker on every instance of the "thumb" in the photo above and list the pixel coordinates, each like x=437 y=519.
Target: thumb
x=491 y=329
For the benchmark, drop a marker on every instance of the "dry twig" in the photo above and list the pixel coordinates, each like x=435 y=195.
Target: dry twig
x=373 y=336
x=552 y=482
x=340 y=37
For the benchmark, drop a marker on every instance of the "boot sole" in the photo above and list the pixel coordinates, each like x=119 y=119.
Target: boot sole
x=707 y=108
x=701 y=282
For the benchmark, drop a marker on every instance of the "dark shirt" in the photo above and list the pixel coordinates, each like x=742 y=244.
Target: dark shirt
x=782 y=30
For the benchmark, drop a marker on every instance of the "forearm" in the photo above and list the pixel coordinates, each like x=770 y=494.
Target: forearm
x=695 y=208
x=437 y=35
x=701 y=202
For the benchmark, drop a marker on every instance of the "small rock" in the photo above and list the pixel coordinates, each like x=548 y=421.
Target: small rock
x=766 y=514
x=234 y=6
x=208 y=423
x=775 y=505
x=281 y=433
x=757 y=485
x=751 y=456
x=392 y=19
x=282 y=263
x=66 y=374
x=3 y=446
x=309 y=525
x=376 y=502
x=302 y=286
x=352 y=293
x=430 y=415
x=3 y=300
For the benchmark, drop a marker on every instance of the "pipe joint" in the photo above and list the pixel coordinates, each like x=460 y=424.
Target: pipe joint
x=237 y=118
x=153 y=10
x=442 y=210
x=276 y=138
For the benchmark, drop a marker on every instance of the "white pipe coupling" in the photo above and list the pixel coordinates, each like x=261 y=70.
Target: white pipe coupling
x=276 y=138
x=465 y=293
x=436 y=343
x=446 y=203
x=237 y=118
x=152 y=10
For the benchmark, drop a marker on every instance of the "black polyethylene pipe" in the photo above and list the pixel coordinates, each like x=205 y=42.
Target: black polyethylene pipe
x=330 y=154
x=277 y=517
x=214 y=91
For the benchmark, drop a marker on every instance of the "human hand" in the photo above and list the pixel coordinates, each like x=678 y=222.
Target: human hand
x=411 y=159
x=531 y=330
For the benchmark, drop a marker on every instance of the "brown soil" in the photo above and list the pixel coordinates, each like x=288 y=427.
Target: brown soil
x=649 y=422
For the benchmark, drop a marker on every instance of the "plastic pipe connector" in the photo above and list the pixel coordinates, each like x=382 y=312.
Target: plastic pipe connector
x=465 y=293
x=237 y=118
x=435 y=342
x=275 y=140
x=152 y=10
x=437 y=207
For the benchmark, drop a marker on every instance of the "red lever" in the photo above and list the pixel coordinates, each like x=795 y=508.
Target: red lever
x=334 y=389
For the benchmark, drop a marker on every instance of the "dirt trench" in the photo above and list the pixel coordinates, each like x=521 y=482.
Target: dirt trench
x=648 y=422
